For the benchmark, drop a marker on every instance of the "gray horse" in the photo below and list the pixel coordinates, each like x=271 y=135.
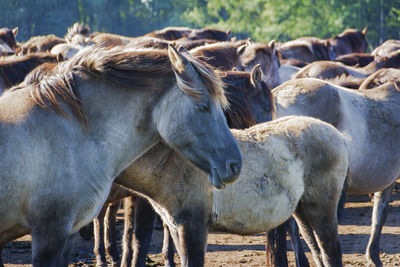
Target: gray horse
x=371 y=119
x=57 y=171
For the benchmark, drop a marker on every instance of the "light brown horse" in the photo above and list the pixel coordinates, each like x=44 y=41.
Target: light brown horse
x=13 y=69
x=67 y=132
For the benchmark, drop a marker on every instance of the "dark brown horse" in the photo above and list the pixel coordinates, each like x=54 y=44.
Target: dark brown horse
x=212 y=34
x=170 y=33
x=267 y=56
x=307 y=49
x=349 y=41
x=356 y=59
x=14 y=69
x=222 y=55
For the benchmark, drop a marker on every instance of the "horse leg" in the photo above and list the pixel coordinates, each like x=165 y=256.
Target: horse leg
x=293 y=230
x=168 y=248
x=190 y=238
x=343 y=198
x=48 y=246
x=308 y=235
x=1 y=257
x=68 y=249
x=144 y=221
x=110 y=234
x=275 y=246
x=127 y=237
x=322 y=218
x=98 y=230
x=379 y=214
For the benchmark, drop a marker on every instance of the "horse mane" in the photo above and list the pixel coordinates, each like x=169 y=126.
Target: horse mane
x=130 y=68
x=14 y=69
x=347 y=81
x=236 y=86
x=7 y=36
x=77 y=28
x=391 y=61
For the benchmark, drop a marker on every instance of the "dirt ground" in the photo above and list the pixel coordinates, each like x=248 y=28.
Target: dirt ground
x=233 y=250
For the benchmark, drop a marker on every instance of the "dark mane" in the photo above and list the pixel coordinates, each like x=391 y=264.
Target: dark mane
x=238 y=88
x=129 y=68
x=14 y=69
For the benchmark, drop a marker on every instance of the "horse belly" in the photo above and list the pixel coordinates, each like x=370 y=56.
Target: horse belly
x=265 y=195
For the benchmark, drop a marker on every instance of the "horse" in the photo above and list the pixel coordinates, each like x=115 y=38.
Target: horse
x=13 y=69
x=8 y=44
x=267 y=56
x=291 y=165
x=349 y=41
x=370 y=119
x=38 y=44
x=211 y=34
x=355 y=59
x=170 y=33
x=380 y=77
x=307 y=49
x=98 y=112
x=223 y=56
x=330 y=69
x=247 y=95
x=385 y=49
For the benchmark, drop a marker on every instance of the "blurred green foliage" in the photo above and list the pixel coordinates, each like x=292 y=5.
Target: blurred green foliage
x=262 y=20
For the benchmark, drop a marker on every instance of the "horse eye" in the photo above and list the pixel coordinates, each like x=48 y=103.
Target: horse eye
x=203 y=107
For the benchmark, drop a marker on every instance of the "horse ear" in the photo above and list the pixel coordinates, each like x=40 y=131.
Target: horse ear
x=255 y=75
x=271 y=44
x=235 y=69
x=15 y=31
x=180 y=64
x=364 y=31
x=241 y=49
x=248 y=42
x=178 y=61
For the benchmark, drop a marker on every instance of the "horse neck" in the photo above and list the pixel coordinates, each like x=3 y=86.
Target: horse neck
x=371 y=68
x=166 y=177
x=119 y=120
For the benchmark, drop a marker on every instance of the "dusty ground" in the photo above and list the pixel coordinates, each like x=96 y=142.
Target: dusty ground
x=233 y=250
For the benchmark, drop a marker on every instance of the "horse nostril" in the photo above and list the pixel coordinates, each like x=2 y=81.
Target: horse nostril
x=235 y=168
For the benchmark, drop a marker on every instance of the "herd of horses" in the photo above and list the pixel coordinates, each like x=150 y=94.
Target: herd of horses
x=209 y=132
